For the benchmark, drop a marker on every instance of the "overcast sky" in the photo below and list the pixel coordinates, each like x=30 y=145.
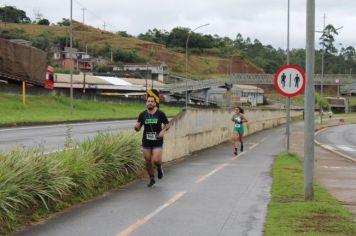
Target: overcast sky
x=261 y=19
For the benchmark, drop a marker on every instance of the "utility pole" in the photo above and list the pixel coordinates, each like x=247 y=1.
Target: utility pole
x=309 y=104
x=83 y=9
x=104 y=25
x=322 y=76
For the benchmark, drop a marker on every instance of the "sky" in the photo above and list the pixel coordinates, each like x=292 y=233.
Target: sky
x=265 y=20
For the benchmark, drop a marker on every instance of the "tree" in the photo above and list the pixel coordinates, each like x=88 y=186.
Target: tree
x=178 y=37
x=123 y=34
x=64 y=22
x=348 y=53
x=328 y=39
x=43 y=22
x=13 y=15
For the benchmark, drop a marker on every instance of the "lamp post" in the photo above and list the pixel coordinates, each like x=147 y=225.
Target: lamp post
x=288 y=99
x=71 y=58
x=186 y=64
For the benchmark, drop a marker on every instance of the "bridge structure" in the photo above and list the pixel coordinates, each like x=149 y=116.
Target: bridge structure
x=179 y=89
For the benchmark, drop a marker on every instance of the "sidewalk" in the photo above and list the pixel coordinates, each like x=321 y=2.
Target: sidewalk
x=333 y=172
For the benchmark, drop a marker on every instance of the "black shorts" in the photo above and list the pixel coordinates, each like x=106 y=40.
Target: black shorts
x=152 y=144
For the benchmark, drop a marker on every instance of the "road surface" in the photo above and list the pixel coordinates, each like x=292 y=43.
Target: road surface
x=53 y=137
x=339 y=138
x=209 y=193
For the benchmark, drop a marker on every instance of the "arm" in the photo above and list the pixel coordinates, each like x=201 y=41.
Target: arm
x=138 y=126
x=244 y=119
x=166 y=125
x=139 y=122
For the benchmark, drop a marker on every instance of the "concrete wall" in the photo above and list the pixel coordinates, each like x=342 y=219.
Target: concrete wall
x=196 y=129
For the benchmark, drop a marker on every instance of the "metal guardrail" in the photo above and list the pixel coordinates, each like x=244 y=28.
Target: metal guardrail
x=249 y=79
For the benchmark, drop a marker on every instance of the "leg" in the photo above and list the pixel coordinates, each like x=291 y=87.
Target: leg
x=157 y=160
x=235 y=136
x=147 y=153
x=241 y=136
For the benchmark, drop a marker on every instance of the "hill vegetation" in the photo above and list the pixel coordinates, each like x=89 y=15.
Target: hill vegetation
x=211 y=56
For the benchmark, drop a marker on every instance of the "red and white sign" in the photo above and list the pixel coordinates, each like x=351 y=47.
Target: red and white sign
x=290 y=80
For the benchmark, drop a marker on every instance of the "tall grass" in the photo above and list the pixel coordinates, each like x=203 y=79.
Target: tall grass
x=31 y=181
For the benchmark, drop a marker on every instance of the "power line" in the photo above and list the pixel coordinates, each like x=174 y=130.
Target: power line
x=95 y=15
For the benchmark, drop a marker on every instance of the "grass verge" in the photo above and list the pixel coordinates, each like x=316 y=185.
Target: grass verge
x=34 y=185
x=46 y=109
x=288 y=212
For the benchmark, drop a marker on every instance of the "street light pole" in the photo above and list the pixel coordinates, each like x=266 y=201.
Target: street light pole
x=186 y=64
x=309 y=103
x=71 y=58
x=288 y=98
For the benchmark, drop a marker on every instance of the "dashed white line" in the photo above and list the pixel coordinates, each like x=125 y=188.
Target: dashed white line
x=145 y=219
x=204 y=177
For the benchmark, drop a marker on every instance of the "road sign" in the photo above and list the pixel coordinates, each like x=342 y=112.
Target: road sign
x=289 y=80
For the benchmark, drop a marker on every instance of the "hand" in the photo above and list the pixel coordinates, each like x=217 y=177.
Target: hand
x=138 y=126
x=161 y=134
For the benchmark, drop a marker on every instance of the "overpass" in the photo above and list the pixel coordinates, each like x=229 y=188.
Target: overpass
x=179 y=89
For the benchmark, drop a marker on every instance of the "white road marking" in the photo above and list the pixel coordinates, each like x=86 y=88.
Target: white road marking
x=240 y=154
x=328 y=147
x=253 y=146
x=204 y=177
x=63 y=125
x=145 y=219
x=346 y=148
x=338 y=167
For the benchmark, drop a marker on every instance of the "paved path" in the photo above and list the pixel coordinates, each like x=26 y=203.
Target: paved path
x=210 y=193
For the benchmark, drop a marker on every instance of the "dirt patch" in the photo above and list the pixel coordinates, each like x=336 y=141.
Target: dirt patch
x=320 y=224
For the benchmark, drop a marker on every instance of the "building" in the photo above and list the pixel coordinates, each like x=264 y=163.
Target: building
x=240 y=94
x=74 y=59
x=157 y=72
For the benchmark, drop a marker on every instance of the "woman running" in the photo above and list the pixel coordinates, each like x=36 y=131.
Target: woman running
x=238 y=118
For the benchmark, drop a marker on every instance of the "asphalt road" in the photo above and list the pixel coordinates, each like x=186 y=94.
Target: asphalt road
x=53 y=137
x=209 y=193
x=339 y=138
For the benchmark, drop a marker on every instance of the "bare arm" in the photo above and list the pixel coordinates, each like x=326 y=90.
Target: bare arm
x=244 y=119
x=138 y=126
x=163 y=131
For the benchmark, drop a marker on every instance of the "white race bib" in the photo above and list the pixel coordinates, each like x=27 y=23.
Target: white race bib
x=237 y=125
x=151 y=136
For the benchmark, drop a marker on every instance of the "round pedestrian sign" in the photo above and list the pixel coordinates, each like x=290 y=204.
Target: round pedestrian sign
x=289 y=80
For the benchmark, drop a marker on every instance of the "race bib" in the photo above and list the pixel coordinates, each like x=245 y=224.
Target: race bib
x=237 y=125
x=151 y=136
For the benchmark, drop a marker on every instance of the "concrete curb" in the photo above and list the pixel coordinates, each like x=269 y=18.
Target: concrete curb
x=330 y=150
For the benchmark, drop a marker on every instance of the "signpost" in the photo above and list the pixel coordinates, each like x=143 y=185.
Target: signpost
x=289 y=81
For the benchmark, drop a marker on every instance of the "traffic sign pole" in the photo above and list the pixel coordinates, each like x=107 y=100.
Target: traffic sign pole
x=289 y=81
x=288 y=123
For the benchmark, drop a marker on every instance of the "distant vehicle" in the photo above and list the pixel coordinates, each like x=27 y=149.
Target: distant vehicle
x=20 y=62
x=49 y=82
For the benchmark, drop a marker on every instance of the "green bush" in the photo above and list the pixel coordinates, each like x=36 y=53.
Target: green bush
x=32 y=183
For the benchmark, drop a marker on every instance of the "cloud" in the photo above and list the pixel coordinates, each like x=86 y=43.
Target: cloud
x=264 y=20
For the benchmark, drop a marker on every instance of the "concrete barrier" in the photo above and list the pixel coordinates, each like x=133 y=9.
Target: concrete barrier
x=196 y=129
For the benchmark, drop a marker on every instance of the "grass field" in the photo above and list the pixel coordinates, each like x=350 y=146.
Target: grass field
x=288 y=212
x=43 y=109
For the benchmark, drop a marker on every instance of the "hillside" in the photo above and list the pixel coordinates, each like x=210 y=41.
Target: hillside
x=200 y=66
